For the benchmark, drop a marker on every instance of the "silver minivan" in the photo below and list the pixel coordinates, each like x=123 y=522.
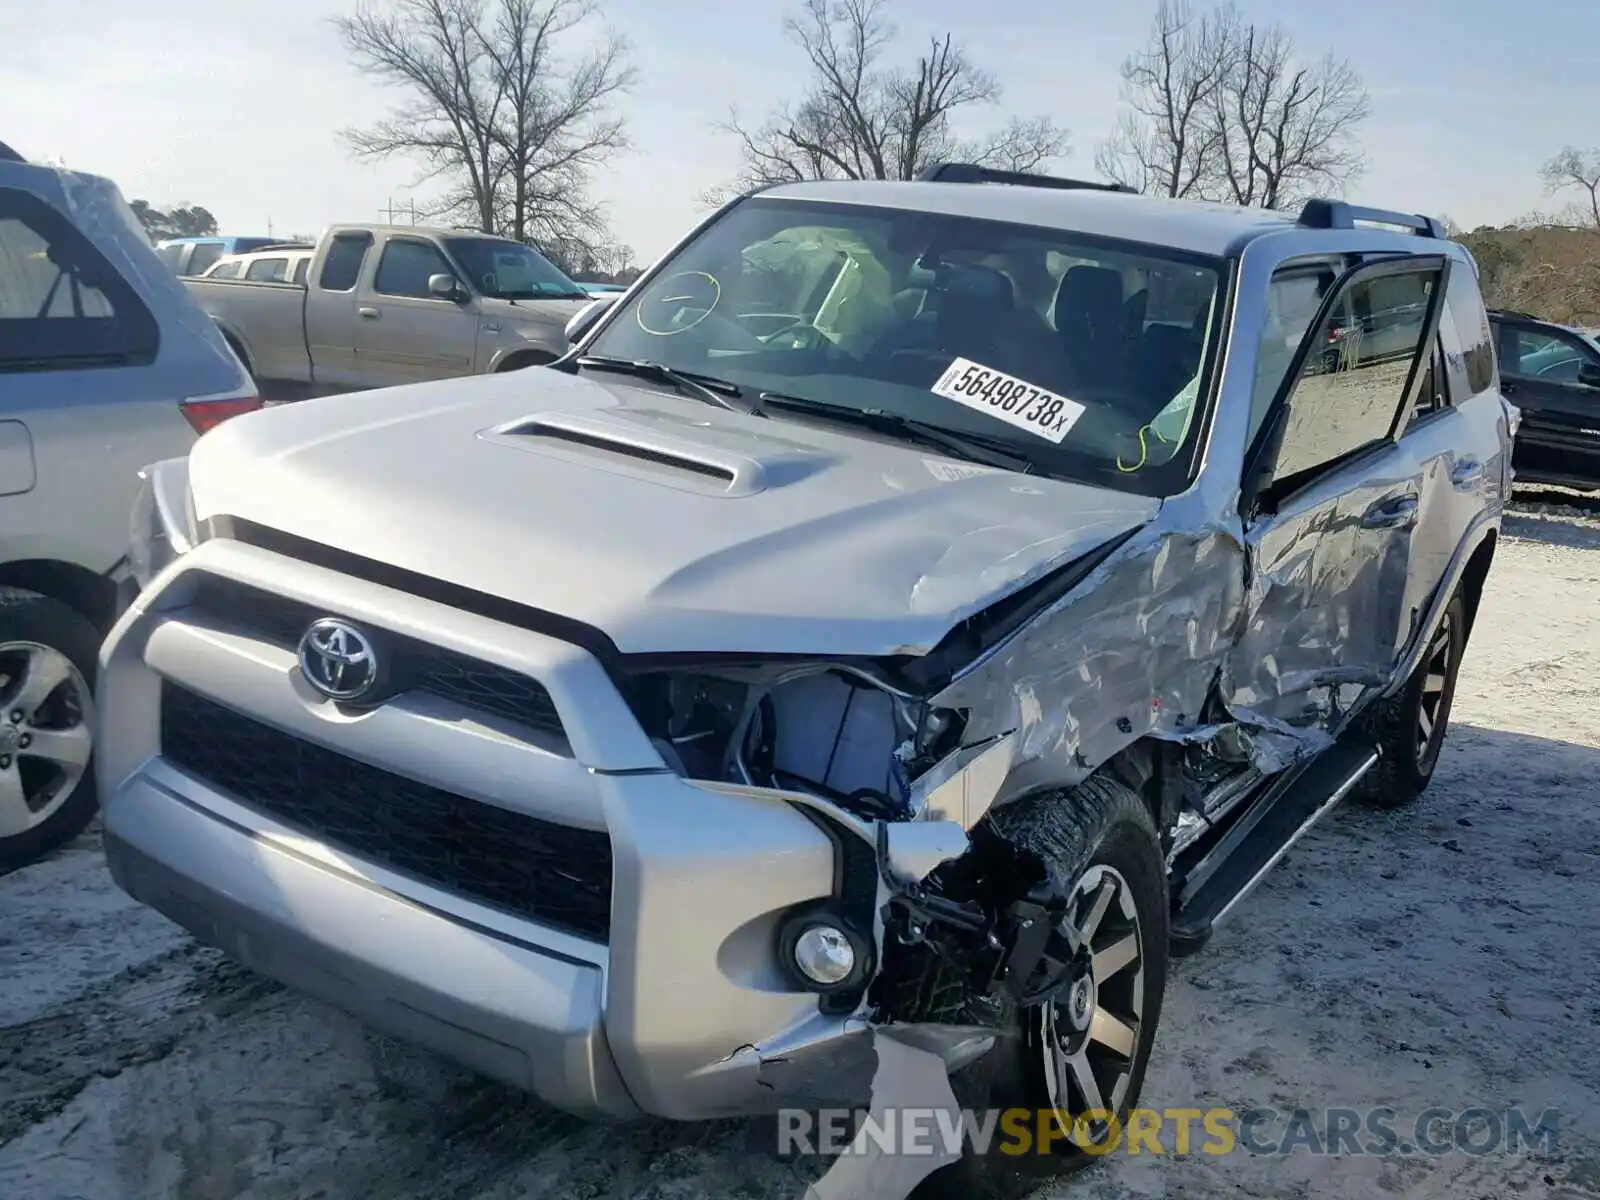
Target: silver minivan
x=106 y=364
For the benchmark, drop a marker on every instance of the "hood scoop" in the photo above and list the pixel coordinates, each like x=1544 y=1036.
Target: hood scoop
x=601 y=442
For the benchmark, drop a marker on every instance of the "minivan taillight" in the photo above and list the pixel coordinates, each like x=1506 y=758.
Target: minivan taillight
x=207 y=412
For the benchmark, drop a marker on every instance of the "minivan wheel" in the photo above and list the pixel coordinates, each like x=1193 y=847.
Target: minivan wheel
x=1409 y=728
x=1077 y=1062
x=47 y=671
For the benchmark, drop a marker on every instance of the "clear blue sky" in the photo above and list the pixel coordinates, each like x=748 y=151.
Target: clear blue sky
x=236 y=105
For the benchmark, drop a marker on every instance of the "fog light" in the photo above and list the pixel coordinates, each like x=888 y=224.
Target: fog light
x=824 y=955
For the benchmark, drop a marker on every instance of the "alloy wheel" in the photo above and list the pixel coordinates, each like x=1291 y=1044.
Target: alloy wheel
x=46 y=715
x=1089 y=1033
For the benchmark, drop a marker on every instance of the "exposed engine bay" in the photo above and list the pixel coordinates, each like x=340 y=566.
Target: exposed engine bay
x=993 y=924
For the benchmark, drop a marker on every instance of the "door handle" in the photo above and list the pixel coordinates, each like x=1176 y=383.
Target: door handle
x=370 y=314
x=1395 y=512
x=1466 y=473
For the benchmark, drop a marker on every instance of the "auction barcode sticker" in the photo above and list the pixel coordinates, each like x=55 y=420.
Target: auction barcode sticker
x=1012 y=400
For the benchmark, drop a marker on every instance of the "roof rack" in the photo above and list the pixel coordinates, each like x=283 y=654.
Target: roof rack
x=1336 y=214
x=7 y=154
x=973 y=173
x=283 y=246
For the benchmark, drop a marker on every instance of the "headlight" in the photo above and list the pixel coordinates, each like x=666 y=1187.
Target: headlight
x=162 y=526
x=823 y=729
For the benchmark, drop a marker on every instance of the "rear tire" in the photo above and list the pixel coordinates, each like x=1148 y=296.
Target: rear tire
x=1409 y=728
x=1089 y=1048
x=48 y=661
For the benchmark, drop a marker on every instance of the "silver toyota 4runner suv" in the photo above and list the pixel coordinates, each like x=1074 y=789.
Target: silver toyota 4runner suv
x=910 y=614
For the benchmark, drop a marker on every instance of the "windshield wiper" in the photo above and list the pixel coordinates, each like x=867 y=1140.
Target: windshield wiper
x=961 y=445
x=702 y=387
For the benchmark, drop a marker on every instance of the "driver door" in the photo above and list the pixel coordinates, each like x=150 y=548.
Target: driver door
x=1333 y=498
x=1543 y=371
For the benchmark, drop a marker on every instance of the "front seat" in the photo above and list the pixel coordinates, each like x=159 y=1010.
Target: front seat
x=1090 y=323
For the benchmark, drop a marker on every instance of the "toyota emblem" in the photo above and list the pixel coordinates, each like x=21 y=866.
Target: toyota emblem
x=338 y=660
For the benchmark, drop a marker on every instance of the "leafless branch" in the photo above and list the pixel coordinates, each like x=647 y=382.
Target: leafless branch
x=493 y=110
x=1579 y=171
x=861 y=119
x=1219 y=108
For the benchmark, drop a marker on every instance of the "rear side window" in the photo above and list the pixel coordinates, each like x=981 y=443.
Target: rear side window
x=268 y=270
x=300 y=265
x=224 y=270
x=62 y=305
x=205 y=253
x=1464 y=310
x=171 y=255
x=342 y=267
x=1356 y=370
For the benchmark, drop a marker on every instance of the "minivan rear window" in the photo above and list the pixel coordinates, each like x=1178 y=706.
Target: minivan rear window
x=62 y=304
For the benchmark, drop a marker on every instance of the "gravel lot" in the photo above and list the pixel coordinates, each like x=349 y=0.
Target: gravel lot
x=1442 y=957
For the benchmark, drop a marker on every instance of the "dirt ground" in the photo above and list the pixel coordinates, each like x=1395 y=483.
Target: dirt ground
x=1440 y=957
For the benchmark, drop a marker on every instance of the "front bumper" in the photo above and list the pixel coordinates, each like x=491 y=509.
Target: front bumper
x=517 y=1011
x=681 y=1012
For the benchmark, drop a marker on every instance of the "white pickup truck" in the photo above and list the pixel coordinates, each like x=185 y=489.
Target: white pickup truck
x=385 y=305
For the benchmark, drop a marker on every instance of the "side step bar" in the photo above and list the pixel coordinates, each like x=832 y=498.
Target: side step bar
x=1260 y=839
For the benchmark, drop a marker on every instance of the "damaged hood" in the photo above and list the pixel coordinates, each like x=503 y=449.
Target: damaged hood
x=668 y=524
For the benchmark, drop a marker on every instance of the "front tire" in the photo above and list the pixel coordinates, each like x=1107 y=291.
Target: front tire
x=1082 y=1056
x=48 y=659
x=1409 y=728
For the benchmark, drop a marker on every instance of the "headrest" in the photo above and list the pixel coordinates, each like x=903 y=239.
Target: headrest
x=968 y=285
x=1090 y=293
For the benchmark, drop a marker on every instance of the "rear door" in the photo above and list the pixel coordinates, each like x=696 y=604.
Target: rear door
x=408 y=334
x=332 y=323
x=90 y=386
x=1334 y=498
x=1543 y=370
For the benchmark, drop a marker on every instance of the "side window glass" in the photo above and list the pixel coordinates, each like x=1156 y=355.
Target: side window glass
x=1544 y=356
x=205 y=253
x=224 y=270
x=61 y=303
x=170 y=255
x=405 y=267
x=268 y=270
x=1432 y=394
x=342 y=267
x=1465 y=312
x=1355 y=375
x=1292 y=304
x=300 y=265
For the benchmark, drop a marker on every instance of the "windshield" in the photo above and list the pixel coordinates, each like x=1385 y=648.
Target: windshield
x=1085 y=357
x=511 y=271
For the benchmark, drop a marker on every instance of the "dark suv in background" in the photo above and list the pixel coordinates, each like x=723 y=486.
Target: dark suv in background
x=1552 y=373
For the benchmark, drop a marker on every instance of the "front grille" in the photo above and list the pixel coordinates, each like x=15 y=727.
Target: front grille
x=416 y=665
x=553 y=874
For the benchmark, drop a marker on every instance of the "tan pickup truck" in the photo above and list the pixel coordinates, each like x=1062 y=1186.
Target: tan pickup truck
x=385 y=305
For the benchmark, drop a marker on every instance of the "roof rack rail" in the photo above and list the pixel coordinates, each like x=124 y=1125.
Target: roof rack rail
x=7 y=154
x=973 y=173
x=1336 y=214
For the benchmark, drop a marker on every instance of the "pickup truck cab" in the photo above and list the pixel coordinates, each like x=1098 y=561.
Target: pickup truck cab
x=384 y=305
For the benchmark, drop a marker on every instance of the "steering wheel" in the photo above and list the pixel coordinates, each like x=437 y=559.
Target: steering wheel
x=677 y=303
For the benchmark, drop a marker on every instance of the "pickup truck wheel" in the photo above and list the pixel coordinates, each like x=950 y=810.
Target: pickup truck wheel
x=1077 y=1062
x=1409 y=728
x=47 y=670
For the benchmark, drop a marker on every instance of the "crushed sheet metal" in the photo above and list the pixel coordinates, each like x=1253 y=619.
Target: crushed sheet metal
x=1280 y=672
x=1132 y=651
x=906 y=1077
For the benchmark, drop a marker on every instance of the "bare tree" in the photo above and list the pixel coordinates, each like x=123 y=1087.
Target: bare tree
x=1222 y=109
x=860 y=119
x=1166 y=141
x=1286 y=129
x=1576 y=170
x=493 y=110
